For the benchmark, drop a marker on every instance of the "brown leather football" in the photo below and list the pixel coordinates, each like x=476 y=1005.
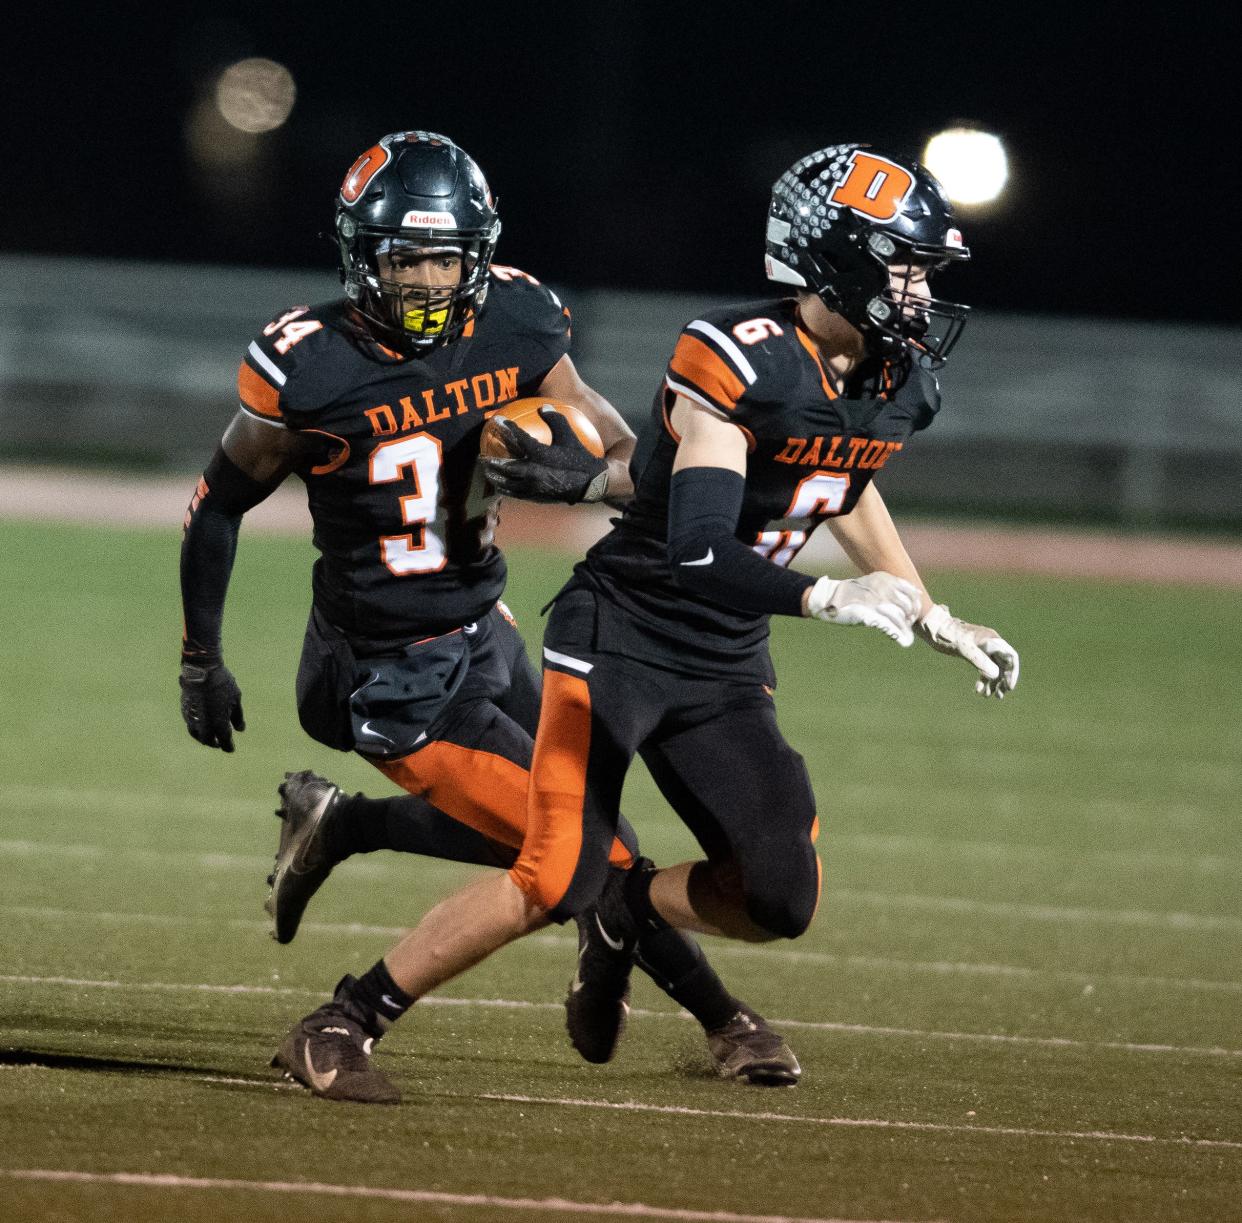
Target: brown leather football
x=525 y=414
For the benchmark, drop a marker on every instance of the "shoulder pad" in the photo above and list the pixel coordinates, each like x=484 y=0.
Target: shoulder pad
x=529 y=303
x=723 y=354
x=284 y=365
x=920 y=394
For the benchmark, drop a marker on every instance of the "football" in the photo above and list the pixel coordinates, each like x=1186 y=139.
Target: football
x=525 y=414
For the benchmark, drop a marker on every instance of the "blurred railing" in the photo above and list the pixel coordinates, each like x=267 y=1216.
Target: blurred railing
x=1140 y=423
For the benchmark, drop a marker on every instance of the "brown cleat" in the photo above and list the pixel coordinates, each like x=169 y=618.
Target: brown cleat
x=746 y=1048
x=330 y=1052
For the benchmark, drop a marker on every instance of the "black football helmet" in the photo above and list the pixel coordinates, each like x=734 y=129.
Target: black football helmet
x=415 y=191
x=841 y=218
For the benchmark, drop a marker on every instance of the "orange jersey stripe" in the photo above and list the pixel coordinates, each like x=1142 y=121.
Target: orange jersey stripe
x=699 y=364
x=809 y=345
x=257 y=394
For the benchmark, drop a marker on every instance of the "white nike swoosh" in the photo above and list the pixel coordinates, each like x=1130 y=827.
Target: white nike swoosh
x=387 y=1001
x=365 y=729
x=615 y=944
x=319 y=1082
x=706 y=560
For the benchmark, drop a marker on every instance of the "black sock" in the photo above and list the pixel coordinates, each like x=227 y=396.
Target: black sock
x=380 y=998
x=672 y=959
x=411 y=825
x=676 y=963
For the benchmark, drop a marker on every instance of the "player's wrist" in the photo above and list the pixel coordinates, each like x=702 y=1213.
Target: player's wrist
x=204 y=659
x=596 y=487
x=934 y=622
x=817 y=597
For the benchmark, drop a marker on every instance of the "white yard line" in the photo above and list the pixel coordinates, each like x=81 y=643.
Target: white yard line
x=511 y=1004
x=1032 y=912
x=215 y=809
x=871 y=1123
x=627 y=1210
x=1155 y=919
x=720 y=950
x=1008 y=851
x=90 y=801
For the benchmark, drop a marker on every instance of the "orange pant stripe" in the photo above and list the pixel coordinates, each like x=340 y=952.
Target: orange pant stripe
x=484 y=791
x=558 y=785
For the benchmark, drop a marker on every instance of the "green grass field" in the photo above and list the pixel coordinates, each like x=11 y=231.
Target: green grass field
x=1021 y=998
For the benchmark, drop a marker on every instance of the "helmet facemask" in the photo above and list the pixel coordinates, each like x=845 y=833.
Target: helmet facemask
x=898 y=317
x=414 y=318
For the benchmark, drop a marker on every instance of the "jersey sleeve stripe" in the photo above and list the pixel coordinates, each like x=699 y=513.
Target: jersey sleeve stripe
x=257 y=394
x=266 y=364
x=680 y=388
x=704 y=368
x=727 y=346
x=265 y=420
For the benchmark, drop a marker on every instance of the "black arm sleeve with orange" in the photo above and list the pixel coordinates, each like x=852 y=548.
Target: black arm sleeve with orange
x=708 y=559
x=208 y=546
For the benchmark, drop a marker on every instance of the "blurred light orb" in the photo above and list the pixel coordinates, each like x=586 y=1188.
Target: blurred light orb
x=971 y=165
x=255 y=95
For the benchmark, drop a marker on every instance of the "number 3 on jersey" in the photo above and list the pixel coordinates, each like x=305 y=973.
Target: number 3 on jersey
x=417 y=458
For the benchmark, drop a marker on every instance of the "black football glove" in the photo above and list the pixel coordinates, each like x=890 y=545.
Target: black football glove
x=563 y=471
x=211 y=704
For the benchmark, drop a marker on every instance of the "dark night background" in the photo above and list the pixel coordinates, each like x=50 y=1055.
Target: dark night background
x=634 y=145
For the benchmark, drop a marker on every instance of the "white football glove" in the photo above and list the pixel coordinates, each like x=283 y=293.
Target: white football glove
x=877 y=600
x=995 y=659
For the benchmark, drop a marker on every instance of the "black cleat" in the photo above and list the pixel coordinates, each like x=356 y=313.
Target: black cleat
x=330 y=1052
x=598 y=1000
x=747 y=1049
x=303 y=860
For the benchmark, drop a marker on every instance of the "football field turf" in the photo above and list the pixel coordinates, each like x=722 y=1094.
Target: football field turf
x=1021 y=998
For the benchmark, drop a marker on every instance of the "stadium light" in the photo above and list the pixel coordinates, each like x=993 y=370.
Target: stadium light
x=255 y=95
x=970 y=164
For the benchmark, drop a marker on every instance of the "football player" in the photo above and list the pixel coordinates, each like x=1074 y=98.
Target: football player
x=772 y=418
x=376 y=403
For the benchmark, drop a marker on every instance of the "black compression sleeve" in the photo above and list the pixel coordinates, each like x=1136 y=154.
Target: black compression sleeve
x=707 y=558
x=208 y=545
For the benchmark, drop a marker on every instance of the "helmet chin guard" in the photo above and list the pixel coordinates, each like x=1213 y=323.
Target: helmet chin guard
x=416 y=190
x=842 y=220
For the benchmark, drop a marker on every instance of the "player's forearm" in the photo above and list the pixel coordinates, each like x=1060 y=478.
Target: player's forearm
x=707 y=559
x=208 y=547
x=868 y=536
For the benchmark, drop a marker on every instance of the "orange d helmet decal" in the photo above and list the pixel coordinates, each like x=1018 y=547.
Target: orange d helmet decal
x=872 y=185
x=363 y=170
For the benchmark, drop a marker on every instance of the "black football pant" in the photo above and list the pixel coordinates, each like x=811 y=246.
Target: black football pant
x=461 y=710
x=712 y=746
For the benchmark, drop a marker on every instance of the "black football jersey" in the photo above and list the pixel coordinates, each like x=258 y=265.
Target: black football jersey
x=812 y=451
x=403 y=518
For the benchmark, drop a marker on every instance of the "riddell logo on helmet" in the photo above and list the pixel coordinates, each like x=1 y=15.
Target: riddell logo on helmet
x=429 y=220
x=954 y=238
